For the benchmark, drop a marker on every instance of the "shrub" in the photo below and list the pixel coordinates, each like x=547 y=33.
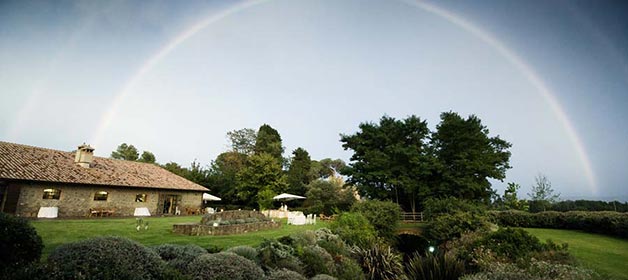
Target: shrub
x=106 y=258
x=609 y=223
x=274 y=254
x=354 y=228
x=224 y=266
x=284 y=274
x=535 y=271
x=316 y=261
x=434 y=266
x=379 y=262
x=448 y=227
x=348 y=269
x=383 y=215
x=212 y=249
x=438 y=207
x=19 y=242
x=323 y=277
x=178 y=256
x=512 y=243
x=245 y=251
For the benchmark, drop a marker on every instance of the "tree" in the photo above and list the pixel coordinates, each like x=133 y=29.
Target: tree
x=268 y=141
x=262 y=172
x=176 y=169
x=326 y=167
x=328 y=197
x=242 y=141
x=510 y=199
x=390 y=160
x=147 y=157
x=198 y=174
x=299 y=171
x=542 y=194
x=223 y=174
x=125 y=152
x=466 y=157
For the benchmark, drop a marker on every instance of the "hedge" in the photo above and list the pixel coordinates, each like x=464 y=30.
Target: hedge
x=603 y=222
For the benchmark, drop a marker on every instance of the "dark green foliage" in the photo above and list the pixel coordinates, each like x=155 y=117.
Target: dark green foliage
x=106 y=258
x=245 y=251
x=242 y=141
x=274 y=254
x=609 y=223
x=354 y=229
x=383 y=215
x=175 y=168
x=332 y=243
x=466 y=157
x=316 y=261
x=348 y=269
x=323 y=277
x=450 y=205
x=588 y=205
x=224 y=266
x=147 y=157
x=447 y=227
x=125 y=152
x=179 y=256
x=284 y=274
x=299 y=171
x=512 y=244
x=19 y=242
x=328 y=197
x=268 y=141
x=326 y=167
x=434 y=266
x=391 y=160
x=537 y=270
x=212 y=249
x=223 y=172
x=380 y=262
x=262 y=173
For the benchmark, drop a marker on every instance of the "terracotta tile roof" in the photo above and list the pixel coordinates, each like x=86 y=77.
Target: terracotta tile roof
x=22 y=162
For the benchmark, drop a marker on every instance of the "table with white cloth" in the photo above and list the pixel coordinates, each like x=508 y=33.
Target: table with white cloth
x=48 y=212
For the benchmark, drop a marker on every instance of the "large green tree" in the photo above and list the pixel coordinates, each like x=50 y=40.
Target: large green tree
x=466 y=157
x=242 y=140
x=125 y=152
x=147 y=157
x=326 y=167
x=269 y=141
x=262 y=174
x=390 y=160
x=223 y=175
x=299 y=171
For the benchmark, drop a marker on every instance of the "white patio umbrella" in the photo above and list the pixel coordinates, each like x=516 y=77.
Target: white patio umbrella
x=210 y=197
x=287 y=196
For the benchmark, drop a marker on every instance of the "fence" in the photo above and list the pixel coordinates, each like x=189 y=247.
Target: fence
x=409 y=217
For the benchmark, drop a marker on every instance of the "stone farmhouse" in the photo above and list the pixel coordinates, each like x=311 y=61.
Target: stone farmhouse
x=82 y=185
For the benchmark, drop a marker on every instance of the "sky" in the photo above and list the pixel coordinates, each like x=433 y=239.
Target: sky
x=173 y=77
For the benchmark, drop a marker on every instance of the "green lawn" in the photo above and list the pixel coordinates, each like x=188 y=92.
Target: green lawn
x=606 y=255
x=57 y=232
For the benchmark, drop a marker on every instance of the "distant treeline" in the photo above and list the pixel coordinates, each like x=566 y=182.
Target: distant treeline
x=586 y=205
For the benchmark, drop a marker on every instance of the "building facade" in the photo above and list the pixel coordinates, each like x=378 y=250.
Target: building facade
x=82 y=185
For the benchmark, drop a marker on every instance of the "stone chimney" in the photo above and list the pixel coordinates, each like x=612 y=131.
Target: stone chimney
x=84 y=155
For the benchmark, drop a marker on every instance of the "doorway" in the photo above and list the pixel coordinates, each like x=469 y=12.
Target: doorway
x=168 y=203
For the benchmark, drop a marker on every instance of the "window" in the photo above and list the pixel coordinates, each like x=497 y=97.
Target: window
x=52 y=194
x=140 y=197
x=101 y=196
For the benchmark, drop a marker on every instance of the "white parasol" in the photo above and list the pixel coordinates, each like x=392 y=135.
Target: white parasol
x=287 y=196
x=210 y=197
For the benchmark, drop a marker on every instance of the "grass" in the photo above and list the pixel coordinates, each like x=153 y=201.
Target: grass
x=57 y=232
x=606 y=255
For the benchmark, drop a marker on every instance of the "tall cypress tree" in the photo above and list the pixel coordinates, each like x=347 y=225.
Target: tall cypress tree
x=299 y=171
x=269 y=141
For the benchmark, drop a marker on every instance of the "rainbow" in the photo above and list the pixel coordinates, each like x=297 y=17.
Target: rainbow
x=516 y=61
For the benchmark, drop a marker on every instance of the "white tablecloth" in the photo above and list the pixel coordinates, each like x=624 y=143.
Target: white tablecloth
x=48 y=212
x=141 y=212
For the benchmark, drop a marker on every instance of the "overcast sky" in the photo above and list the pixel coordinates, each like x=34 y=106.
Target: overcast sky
x=173 y=77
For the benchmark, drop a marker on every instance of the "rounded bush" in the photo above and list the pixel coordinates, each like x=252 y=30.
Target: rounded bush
x=323 y=277
x=316 y=261
x=383 y=215
x=348 y=269
x=19 y=242
x=224 y=266
x=179 y=256
x=284 y=274
x=106 y=258
x=245 y=251
x=354 y=228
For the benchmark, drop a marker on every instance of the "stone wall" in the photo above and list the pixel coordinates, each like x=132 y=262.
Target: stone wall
x=208 y=219
x=200 y=229
x=76 y=200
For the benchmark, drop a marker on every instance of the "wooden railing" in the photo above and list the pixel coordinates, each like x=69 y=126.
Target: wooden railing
x=409 y=217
